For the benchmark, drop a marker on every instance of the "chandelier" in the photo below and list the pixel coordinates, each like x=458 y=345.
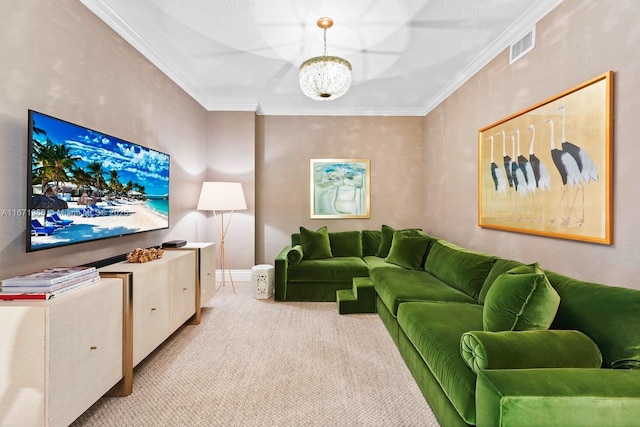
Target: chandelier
x=325 y=77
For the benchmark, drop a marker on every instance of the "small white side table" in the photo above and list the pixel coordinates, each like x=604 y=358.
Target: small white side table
x=263 y=279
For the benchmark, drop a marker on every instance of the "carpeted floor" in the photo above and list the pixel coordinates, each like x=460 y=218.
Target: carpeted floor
x=264 y=363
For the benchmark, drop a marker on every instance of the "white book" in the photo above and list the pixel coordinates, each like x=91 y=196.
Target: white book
x=48 y=277
x=30 y=287
x=47 y=295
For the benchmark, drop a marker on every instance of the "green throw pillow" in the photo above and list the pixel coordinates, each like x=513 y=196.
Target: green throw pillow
x=386 y=239
x=315 y=244
x=408 y=251
x=500 y=266
x=295 y=255
x=520 y=299
x=370 y=242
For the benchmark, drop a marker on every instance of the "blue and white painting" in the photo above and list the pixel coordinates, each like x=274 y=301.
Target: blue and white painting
x=340 y=188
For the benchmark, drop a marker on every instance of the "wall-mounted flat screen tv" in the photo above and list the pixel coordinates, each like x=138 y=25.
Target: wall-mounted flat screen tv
x=86 y=185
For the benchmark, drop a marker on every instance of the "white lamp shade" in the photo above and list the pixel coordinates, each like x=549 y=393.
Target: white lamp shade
x=221 y=196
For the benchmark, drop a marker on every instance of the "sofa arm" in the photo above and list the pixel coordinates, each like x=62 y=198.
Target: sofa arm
x=528 y=349
x=557 y=397
x=281 y=266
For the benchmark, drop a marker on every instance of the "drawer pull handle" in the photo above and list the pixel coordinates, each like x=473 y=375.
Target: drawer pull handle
x=93 y=347
x=184 y=289
x=153 y=309
x=208 y=274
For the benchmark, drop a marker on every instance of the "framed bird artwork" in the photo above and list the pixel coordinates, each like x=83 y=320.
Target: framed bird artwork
x=547 y=170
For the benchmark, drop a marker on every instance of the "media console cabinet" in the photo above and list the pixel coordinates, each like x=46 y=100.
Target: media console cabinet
x=58 y=357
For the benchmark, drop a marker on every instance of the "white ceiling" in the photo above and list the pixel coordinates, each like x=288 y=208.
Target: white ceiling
x=243 y=55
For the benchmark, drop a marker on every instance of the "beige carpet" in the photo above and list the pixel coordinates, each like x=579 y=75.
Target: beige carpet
x=264 y=363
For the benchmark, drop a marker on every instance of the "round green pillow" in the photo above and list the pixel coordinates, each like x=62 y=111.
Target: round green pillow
x=520 y=299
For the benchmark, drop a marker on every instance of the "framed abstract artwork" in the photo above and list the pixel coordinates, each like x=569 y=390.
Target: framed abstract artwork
x=339 y=188
x=548 y=170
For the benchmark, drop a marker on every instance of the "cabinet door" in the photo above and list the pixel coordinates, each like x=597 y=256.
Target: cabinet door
x=207 y=273
x=183 y=288
x=22 y=364
x=85 y=349
x=150 y=309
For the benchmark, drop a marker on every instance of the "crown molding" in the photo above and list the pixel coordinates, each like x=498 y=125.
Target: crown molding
x=519 y=27
x=111 y=18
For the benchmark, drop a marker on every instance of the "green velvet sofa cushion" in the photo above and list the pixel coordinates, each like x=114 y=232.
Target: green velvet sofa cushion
x=528 y=349
x=460 y=268
x=557 y=397
x=315 y=244
x=609 y=315
x=375 y=263
x=500 y=266
x=520 y=299
x=386 y=239
x=328 y=270
x=346 y=243
x=397 y=285
x=370 y=242
x=295 y=255
x=435 y=328
x=407 y=250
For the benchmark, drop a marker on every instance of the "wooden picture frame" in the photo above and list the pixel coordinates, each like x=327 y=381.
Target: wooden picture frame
x=531 y=180
x=339 y=188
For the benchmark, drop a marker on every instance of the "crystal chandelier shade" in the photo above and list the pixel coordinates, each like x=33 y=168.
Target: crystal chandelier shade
x=324 y=78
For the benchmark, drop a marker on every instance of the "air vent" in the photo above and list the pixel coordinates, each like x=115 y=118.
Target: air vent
x=522 y=46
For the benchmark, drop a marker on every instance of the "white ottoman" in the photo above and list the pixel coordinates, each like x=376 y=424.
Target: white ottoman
x=263 y=279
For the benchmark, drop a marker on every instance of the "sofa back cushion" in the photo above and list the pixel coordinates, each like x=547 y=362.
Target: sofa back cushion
x=460 y=268
x=346 y=243
x=609 y=315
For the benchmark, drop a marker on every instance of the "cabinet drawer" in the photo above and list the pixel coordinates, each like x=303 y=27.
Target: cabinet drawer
x=150 y=310
x=183 y=289
x=85 y=348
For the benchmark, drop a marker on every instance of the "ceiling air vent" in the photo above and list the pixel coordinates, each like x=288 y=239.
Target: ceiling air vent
x=522 y=46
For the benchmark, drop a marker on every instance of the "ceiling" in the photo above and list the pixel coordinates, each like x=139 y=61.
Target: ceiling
x=243 y=55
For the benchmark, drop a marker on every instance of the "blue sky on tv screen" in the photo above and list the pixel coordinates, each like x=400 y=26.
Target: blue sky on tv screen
x=133 y=162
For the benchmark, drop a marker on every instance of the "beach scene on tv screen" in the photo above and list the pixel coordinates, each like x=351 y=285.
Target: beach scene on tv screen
x=86 y=185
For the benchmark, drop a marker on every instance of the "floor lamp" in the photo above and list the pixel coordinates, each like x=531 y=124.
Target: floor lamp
x=221 y=197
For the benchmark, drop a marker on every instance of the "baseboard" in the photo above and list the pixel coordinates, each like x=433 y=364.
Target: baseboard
x=238 y=275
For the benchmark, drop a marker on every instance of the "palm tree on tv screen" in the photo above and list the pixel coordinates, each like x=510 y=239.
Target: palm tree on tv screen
x=96 y=170
x=52 y=163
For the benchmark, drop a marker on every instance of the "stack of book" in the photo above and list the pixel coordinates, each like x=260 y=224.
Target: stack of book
x=47 y=284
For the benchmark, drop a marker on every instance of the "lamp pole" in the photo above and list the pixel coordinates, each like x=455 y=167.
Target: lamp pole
x=222 y=254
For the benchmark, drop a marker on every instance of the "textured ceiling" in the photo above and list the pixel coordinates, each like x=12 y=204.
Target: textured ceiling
x=243 y=55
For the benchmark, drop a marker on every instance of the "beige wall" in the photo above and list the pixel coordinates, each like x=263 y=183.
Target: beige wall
x=58 y=58
x=577 y=41
x=231 y=157
x=285 y=146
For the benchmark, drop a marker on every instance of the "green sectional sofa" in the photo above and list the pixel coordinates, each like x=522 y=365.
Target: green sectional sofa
x=489 y=341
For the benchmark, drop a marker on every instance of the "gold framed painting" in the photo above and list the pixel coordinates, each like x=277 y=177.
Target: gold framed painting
x=547 y=170
x=340 y=188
